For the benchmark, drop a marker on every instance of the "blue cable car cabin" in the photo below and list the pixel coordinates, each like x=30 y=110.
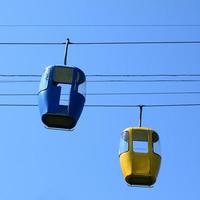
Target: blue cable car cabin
x=54 y=112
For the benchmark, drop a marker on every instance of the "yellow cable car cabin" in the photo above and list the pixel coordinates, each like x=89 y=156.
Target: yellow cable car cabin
x=139 y=156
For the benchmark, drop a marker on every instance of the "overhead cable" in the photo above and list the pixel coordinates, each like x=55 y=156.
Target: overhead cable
x=109 y=75
x=147 y=105
x=20 y=75
x=109 y=81
x=135 y=81
x=111 y=93
x=32 y=43
x=111 y=105
x=140 y=93
x=19 y=81
x=103 y=43
x=141 y=75
x=136 y=42
x=97 y=25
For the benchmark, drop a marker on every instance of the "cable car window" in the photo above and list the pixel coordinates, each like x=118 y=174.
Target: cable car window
x=140 y=141
x=82 y=89
x=123 y=147
x=81 y=82
x=156 y=143
x=65 y=94
x=44 y=79
x=63 y=75
x=140 y=146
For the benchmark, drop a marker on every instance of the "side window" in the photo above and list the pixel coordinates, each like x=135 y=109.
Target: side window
x=81 y=81
x=124 y=140
x=44 y=79
x=82 y=89
x=156 y=144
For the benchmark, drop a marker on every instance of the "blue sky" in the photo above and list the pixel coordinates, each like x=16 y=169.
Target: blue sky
x=41 y=164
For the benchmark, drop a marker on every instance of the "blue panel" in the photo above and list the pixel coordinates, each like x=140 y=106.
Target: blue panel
x=53 y=114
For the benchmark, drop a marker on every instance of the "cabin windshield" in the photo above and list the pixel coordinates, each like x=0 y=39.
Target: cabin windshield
x=124 y=140
x=63 y=75
x=44 y=79
x=140 y=141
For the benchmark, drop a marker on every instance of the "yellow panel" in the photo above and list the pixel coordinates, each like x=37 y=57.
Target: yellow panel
x=63 y=75
x=155 y=164
x=126 y=163
x=141 y=163
x=140 y=168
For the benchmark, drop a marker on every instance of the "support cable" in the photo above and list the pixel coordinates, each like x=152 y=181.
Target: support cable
x=111 y=105
x=104 y=43
x=95 y=25
x=140 y=119
x=66 y=51
x=112 y=93
x=110 y=75
x=110 y=81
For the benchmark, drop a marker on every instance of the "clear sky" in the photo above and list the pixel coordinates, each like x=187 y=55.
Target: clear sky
x=41 y=164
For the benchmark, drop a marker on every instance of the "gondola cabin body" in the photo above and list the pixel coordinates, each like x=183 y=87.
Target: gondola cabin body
x=61 y=96
x=138 y=154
